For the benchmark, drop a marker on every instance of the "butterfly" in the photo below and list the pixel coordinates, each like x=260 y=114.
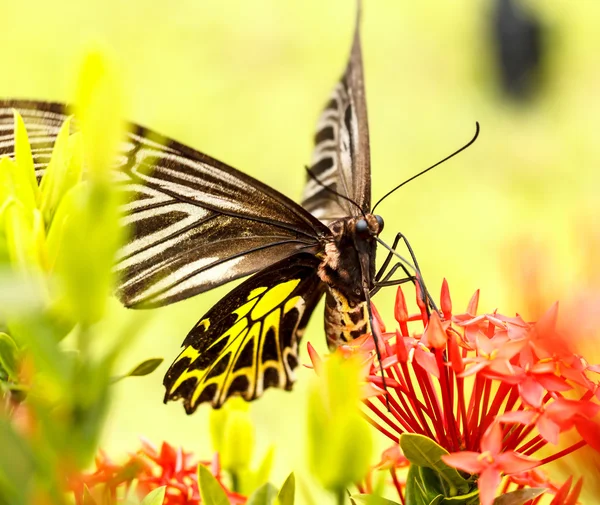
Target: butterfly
x=196 y=223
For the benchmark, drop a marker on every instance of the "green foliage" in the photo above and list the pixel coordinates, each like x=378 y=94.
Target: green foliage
x=519 y=497
x=232 y=434
x=339 y=441
x=287 y=492
x=422 y=451
x=154 y=497
x=430 y=480
x=210 y=490
x=264 y=495
x=59 y=240
x=369 y=499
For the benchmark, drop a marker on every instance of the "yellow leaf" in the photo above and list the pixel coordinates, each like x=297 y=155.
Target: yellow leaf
x=99 y=105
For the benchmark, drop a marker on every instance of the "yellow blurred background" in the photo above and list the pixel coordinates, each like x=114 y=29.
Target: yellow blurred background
x=245 y=81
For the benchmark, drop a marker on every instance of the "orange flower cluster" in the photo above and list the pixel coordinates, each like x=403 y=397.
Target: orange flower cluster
x=149 y=469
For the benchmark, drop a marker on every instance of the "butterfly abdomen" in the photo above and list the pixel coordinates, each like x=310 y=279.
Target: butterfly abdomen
x=345 y=319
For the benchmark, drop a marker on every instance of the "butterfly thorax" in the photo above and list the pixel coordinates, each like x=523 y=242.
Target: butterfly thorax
x=348 y=269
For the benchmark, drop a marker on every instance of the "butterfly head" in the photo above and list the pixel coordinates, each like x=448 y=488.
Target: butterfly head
x=368 y=226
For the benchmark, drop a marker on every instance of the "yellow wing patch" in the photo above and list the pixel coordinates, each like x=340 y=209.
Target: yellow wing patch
x=246 y=343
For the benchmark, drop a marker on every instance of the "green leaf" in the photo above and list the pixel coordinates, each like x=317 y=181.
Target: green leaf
x=424 y=452
x=370 y=499
x=8 y=355
x=520 y=496
x=264 y=495
x=145 y=367
x=422 y=485
x=155 y=497
x=210 y=490
x=16 y=465
x=287 y=493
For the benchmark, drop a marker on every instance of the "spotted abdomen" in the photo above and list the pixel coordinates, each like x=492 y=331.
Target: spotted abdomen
x=345 y=320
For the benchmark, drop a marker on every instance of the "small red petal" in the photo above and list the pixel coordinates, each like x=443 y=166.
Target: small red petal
x=589 y=431
x=446 y=301
x=546 y=325
x=473 y=304
x=315 y=359
x=531 y=392
x=427 y=361
x=492 y=439
x=377 y=317
x=467 y=461
x=574 y=496
x=455 y=353
x=513 y=462
x=401 y=350
x=488 y=482
x=548 y=429
x=561 y=495
x=434 y=335
x=400 y=308
x=526 y=417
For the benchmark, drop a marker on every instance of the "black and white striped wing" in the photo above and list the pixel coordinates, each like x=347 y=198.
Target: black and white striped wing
x=195 y=222
x=341 y=159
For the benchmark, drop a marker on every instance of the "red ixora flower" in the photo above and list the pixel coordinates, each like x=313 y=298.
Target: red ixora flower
x=151 y=468
x=491 y=463
x=490 y=389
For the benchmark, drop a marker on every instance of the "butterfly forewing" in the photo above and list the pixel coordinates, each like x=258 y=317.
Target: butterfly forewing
x=195 y=223
x=341 y=159
x=249 y=340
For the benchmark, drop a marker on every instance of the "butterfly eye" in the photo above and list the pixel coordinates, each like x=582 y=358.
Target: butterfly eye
x=380 y=223
x=362 y=227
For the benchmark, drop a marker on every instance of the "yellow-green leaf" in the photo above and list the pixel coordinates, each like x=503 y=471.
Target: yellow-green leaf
x=210 y=490
x=287 y=493
x=8 y=355
x=155 y=497
x=339 y=440
x=63 y=171
x=99 y=110
x=27 y=183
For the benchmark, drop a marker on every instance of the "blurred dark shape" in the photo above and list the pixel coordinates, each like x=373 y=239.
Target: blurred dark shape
x=518 y=44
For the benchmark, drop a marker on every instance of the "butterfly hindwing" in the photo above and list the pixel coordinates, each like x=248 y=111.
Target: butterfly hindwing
x=341 y=157
x=249 y=340
x=195 y=223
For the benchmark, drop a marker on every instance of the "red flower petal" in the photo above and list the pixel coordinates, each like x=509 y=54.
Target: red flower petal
x=513 y=462
x=492 y=439
x=473 y=304
x=589 y=431
x=526 y=417
x=446 y=301
x=467 y=461
x=548 y=429
x=488 y=482
x=435 y=335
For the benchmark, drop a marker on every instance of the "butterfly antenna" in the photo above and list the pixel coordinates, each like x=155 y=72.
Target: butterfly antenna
x=431 y=167
x=333 y=191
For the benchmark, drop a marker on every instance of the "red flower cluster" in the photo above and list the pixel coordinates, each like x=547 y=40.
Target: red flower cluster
x=150 y=468
x=491 y=389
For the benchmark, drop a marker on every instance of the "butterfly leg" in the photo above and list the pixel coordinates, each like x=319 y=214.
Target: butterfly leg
x=379 y=282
